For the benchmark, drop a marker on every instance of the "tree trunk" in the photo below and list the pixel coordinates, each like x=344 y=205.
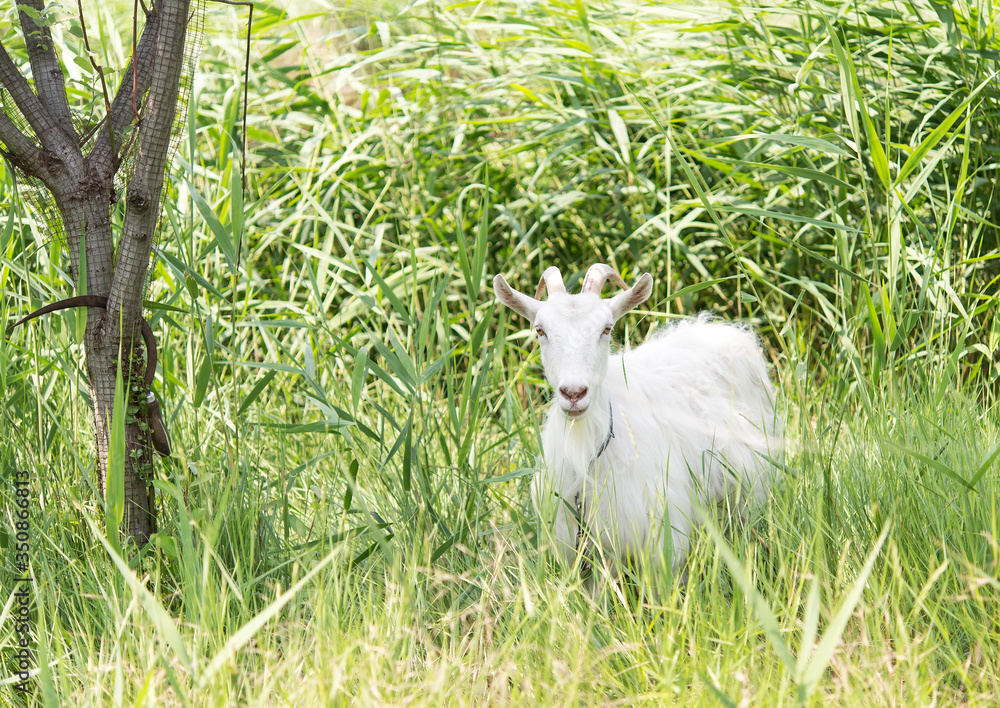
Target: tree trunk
x=83 y=190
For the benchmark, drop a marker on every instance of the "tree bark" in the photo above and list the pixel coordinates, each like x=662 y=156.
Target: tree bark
x=83 y=190
x=45 y=69
x=142 y=212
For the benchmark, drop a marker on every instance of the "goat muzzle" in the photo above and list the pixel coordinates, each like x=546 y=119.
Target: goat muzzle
x=574 y=397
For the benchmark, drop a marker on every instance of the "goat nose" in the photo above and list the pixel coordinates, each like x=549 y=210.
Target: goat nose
x=573 y=395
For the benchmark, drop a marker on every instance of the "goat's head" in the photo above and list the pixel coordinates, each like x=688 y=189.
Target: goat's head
x=574 y=331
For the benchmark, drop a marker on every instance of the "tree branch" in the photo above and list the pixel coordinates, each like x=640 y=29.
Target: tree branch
x=142 y=210
x=45 y=68
x=24 y=98
x=59 y=149
x=21 y=150
x=105 y=156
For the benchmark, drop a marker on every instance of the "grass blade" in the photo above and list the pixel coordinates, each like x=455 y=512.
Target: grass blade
x=935 y=136
x=157 y=614
x=223 y=237
x=936 y=465
x=114 y=485
x=769 y=623
x=831 y=637
x=256 y=391
x=245 y=633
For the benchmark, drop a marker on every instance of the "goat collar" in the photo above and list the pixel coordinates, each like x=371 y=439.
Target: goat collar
x=611 y=433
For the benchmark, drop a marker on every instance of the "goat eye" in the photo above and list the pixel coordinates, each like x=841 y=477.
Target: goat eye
x=539 y=331
x=607 y=330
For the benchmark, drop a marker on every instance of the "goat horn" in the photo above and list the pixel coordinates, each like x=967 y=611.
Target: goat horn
x=551 y=279
x=597 y=275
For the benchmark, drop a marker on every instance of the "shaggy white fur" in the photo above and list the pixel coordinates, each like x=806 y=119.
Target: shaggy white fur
x=636 y=443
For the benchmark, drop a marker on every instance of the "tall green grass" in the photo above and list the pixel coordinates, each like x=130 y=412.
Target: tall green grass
x=346 y=518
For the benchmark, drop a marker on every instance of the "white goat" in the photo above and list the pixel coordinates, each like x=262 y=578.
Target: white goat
x=636 y=443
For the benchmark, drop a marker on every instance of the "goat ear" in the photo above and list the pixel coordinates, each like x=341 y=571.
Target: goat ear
x=634 y=296
x=522 y=304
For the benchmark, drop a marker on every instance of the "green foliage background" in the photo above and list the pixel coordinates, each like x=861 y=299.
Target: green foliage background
x=345 y=518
